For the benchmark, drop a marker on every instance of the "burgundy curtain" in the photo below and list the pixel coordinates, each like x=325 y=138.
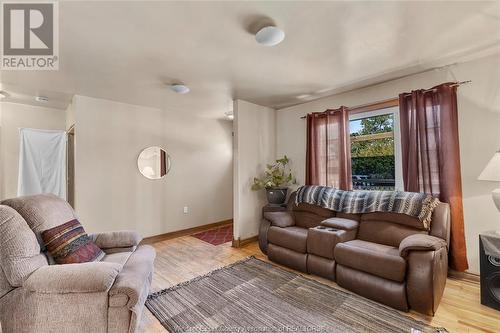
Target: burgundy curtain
x=328 y=152
x=431 y=155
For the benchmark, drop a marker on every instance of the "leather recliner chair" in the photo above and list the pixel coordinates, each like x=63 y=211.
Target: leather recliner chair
x=387 y=257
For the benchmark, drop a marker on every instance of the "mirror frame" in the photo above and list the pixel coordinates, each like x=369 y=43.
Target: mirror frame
x=168 y=162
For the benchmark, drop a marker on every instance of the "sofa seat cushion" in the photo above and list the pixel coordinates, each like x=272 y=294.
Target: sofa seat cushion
x=293 y=238
x=377 y=259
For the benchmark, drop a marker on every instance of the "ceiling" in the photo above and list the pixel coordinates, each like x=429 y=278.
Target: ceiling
x=130 y=51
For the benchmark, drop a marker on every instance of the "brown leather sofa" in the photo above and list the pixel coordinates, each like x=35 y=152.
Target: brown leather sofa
x=387 y=257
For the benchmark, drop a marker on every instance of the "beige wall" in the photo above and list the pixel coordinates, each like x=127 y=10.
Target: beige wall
x=70 y=115
x=15 y=116
x=2 y=180
x=479 y=125
x=111 y=194
x=254 y=147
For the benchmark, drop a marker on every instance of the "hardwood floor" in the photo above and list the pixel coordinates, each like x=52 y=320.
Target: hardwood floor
x=181 y=259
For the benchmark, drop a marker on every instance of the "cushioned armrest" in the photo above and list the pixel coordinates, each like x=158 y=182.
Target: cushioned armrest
x=340 y=223
x=135 y=276
x=420 y=242
x=114 y=239
x=73 y=278
x=280 y=219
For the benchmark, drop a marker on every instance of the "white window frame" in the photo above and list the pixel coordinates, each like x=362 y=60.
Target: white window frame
x=398 y=162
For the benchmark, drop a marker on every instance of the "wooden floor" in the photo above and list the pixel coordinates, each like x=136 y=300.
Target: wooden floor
x=181 y=259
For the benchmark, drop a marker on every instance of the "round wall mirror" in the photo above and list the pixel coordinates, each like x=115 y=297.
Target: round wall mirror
x=153 y=162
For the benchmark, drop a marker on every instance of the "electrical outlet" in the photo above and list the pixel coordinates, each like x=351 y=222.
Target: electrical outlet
x=186 y=210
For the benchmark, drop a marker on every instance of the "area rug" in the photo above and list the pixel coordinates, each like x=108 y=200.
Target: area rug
x=216 y=236
x=254 y=296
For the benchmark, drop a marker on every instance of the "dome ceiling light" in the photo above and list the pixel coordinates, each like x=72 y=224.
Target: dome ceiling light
x=42 y=99
x=270 y=36
x=179 y=88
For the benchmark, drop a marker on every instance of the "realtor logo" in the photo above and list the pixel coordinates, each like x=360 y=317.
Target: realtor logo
x=30 y=36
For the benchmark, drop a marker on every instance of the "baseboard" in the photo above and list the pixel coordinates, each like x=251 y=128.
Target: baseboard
x=185 y=232
x=464 y=276
x=242 y=242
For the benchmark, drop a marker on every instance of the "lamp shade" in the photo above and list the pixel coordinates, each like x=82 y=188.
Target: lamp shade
x=492 y=170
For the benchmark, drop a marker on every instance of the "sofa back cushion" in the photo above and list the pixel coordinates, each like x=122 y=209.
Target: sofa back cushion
x=384 y=232
x=310 y=216
x=19 y=250
x=42 y=212
x=388 y=228
x=355 y=217
x=383 y=228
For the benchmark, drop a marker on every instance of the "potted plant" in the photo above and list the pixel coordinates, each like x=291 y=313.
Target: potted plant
x=275 y=180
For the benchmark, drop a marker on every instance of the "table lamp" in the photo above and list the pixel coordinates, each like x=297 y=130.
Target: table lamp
x=492 y=173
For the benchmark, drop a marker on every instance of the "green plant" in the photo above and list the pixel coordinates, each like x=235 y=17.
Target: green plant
x=278 y=174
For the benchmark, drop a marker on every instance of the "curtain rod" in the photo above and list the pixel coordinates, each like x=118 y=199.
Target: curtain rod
x=456 y=84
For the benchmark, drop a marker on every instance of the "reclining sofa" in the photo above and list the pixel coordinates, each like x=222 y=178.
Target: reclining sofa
x=105 y=296
x=387 y=257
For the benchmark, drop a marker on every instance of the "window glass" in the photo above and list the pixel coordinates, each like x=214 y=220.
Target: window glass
x=373 y=151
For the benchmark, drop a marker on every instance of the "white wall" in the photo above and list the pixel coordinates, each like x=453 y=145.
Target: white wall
x=15 y=116
x=254 y=147
x=111 y=194
x=479 y=126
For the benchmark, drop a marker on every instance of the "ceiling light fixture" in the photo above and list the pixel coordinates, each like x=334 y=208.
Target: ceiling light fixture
x=43 y=99
x=179 y=88
x=270 y=36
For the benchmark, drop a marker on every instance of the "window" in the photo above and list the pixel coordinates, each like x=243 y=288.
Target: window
x=376 y=150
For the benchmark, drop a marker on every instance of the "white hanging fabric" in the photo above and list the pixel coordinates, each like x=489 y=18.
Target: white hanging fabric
x=42 y=162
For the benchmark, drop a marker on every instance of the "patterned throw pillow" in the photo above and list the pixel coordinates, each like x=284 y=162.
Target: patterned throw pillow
x=69 y=244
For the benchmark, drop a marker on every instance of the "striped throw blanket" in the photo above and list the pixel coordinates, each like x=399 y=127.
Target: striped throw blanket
x=419 y=205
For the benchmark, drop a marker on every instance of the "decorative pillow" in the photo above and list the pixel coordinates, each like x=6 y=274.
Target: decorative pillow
x=69 y=244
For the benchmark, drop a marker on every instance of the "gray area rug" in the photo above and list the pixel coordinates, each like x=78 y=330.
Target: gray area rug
x=254 y=296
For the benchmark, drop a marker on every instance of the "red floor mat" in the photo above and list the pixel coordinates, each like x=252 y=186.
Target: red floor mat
x=216 y=236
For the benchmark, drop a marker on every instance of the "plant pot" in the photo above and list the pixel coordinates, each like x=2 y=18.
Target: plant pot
x=276 y=196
